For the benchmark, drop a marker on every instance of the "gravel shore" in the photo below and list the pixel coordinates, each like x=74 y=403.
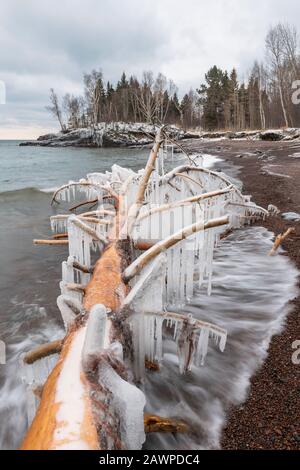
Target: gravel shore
x=270 y=418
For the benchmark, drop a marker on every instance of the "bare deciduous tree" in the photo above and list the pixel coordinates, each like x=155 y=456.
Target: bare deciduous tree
x=275 y=49
x=55 y=108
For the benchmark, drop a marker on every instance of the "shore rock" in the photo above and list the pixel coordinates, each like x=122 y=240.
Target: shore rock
x=121 y=134
x=106 y=135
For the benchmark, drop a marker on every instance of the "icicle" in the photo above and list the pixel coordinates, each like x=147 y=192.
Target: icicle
x=64 y=303
x=138 y=338
x=34 y=376
x=159 y=339
x=79 y=243
x=59 y=223
x=185 y=346
x=190 y=265
x=68 y=271
x=202 y=347
x=175 y=330
x=77 y=296
x=149 y=337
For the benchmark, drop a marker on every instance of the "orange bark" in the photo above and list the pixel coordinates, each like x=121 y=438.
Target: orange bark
x=106 y=287
x=41 y=434
x=158 y=424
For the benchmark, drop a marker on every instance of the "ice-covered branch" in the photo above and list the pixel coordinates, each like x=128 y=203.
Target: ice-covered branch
x=91 y=202
x=109 y=190
x=250 y=207
x=186 y=169
x=140 y=196
x=183 y=202
x=146 y=257
x=196 y=324
x=83 y=226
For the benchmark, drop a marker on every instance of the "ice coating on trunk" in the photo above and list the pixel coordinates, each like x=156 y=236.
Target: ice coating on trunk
x=129 y=402
x=70 y=395
x=97 y=334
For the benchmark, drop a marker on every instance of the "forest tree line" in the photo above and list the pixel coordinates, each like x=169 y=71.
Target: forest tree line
x=263 y=101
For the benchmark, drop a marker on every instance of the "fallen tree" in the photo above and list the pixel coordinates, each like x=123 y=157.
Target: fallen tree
x=116 y=312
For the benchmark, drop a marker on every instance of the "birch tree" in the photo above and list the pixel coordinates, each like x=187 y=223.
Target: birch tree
x=275 y=49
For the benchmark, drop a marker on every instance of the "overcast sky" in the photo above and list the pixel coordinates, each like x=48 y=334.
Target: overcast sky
x=51 y=43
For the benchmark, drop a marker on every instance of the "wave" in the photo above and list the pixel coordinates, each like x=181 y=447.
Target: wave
x=245 y=281
x=27 y=191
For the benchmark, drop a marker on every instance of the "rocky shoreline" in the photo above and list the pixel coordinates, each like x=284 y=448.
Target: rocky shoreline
x=107 y=135
x=141 y=134
x=270 y=418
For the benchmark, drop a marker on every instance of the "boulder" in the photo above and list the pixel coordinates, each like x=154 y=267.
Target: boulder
x=272 y=135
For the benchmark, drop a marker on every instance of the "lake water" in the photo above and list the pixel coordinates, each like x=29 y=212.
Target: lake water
x=29 y=274
x=249 y=298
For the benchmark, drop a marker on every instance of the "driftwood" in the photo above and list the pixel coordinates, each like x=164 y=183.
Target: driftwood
x=159 y=424
x=50 y=242
x=58 y=236
x=280 y=239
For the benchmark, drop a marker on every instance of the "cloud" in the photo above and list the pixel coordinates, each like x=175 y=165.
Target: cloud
x=52 y=43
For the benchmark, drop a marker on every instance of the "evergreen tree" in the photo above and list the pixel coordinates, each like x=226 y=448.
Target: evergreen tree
x=212 y=98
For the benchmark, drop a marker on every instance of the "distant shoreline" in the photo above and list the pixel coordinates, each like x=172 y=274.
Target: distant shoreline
x=142 y=134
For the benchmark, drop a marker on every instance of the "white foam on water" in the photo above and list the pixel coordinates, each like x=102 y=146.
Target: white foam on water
x=210 y=160
x=249 y=299
x=48 y=190
x=14 y=392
